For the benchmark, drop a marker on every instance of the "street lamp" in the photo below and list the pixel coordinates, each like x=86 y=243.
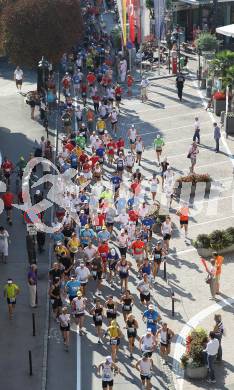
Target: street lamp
x=42 y=74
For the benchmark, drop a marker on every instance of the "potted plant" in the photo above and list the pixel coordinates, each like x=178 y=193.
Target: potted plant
x=221 y=241
x=192 y=360
x=206 y=42
x=219 y=99
x=229 y=123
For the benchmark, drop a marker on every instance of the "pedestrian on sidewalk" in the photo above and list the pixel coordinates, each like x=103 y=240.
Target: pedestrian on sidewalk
x=211 y=279
x=180 y=85
x=18 y=77
x=218 y=264
x=210 y=353
x=192 y=155
x=196 y=135
x=217 y=136
x=4 y=237
x=11 y=290
x=218 y=330
x=32 y=285
x=144 y=89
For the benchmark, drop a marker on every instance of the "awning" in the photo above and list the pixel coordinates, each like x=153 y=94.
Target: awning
x=228 y=31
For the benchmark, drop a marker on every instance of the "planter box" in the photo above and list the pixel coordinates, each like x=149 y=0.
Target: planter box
x=196 y=372
x=190 y=190
x=228 y=125
x=207 y=252
x=219 y=106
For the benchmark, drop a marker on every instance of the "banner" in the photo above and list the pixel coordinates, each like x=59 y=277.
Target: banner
x=131 y=20
x=159 y=14
x=137 y=7
x=124 y=10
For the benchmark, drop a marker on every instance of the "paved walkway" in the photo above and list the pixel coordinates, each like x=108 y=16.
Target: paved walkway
x=17 y=134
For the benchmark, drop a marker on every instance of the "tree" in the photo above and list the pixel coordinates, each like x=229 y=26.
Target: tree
x=36 y=28
x=150 y=5
x=206 y=42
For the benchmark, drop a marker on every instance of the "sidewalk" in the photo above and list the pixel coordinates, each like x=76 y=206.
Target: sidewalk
x=17 y=133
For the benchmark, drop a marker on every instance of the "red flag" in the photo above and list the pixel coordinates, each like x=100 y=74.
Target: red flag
x=131 y=20
x=204 y=263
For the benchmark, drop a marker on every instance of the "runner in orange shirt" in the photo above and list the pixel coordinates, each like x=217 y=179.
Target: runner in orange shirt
x=183 y=213
x=218 y=266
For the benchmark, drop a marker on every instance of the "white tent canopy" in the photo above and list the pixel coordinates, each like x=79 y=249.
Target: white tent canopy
x=228 y=31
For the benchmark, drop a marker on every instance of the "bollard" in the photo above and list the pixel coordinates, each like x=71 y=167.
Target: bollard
x=33 y=324
x=172 y=303
x=30 y=362
x=165 y=270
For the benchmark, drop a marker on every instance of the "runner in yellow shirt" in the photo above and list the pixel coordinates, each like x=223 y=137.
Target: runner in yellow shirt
x=11 y=290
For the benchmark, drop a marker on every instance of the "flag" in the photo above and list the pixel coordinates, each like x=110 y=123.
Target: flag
x=204 y=263
x=124 y=10
x=131 y=21
x=159 y=12
x=137 y=7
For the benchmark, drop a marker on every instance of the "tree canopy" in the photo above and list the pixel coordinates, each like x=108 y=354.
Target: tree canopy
x=36 y=28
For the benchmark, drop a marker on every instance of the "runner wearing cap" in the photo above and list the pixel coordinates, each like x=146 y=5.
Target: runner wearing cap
x=83 y=275
x=107 y=368
x=11 y=290
x=64 y=320
x=147 y=343
x=152 y=317
x=112 y=260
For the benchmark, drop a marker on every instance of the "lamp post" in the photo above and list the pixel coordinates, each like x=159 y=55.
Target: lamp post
x=57 y=114
x=42 y=74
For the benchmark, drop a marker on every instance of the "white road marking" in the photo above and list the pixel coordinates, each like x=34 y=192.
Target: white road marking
x=174 y=129
x=210 y=222
x=78 y=362
x=178 y=372
x=164 y=118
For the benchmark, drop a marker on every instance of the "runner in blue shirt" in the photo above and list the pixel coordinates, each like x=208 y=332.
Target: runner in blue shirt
x=104 y=235
x=112 y=260
x=116 y=180
x=72 y=286
x=86 y=235
x=83 y=218
x=152 y=318
x=100 y=152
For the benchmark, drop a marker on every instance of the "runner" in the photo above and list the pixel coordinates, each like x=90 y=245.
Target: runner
x=166 y=336
x=64 y=320
x=131 y=326
x=158 y=253
x=158 y=144
x=123 y=266
x=152 y=318
x=127 y=302
x=139 y=150
x=183 y=213
x=78 y=309
x=11 y=290
x=144 y=288
x=145 y=367
x=132 y=136
x=97 y=313
x=115 y=335
x=107 y=368
x=4 y=239
x=147 y=343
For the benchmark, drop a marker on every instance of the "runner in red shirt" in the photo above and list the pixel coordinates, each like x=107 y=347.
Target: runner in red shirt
x=138 y=249
x=120 y=146
x=103 y=250
x=111 y=146
x=7 y=167
x=118 y=93
x=91 y=78
x=94 y=159
x=8 y=199
x=133 y=216
x=130 y=81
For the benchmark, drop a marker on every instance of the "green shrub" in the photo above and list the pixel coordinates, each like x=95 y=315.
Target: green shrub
x=195 y=343
x=202 y=241
x=218 y=240
x=206 y=42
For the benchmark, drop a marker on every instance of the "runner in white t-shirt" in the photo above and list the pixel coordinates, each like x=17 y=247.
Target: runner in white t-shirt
x=132 y=136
